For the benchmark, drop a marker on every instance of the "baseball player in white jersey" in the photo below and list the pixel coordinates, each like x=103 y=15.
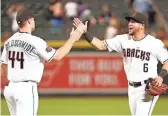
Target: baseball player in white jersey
x=23 y=61
x=141 y=53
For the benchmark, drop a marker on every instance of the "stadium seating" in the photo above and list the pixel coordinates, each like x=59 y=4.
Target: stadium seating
x=46 y=30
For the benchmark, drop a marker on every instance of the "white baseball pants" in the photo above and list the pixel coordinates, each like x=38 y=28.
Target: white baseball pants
x=137 y=101
x=22 y=98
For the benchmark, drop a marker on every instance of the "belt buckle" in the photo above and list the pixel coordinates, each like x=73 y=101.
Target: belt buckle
x=132 y=83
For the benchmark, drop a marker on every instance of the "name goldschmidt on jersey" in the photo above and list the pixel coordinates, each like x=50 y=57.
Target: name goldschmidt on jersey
x=20 y=43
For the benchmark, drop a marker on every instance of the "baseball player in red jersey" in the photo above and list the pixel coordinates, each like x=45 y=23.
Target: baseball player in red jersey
x=23 y=61
x=141 y=53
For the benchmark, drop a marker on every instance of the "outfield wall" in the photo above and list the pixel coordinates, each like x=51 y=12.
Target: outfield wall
x=83 y=73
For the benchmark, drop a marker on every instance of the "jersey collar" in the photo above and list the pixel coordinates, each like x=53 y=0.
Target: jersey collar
x=141 y=38
x=24 y=32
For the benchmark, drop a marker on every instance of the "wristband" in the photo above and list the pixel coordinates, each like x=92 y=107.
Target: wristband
x=163 y=73
x=88 y=37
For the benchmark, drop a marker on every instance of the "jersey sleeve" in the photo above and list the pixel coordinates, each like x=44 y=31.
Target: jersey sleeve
x=45 y=51
x=114 y=44
x=162 y=53
x=4 y=56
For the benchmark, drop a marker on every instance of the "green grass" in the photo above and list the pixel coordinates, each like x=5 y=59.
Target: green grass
x=89 y=105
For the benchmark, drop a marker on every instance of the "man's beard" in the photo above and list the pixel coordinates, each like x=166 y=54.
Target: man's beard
x=132 y=33
x=33 y=29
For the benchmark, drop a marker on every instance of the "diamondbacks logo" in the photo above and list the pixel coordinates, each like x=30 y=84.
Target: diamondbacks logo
x=48 y=49
x=137 y=53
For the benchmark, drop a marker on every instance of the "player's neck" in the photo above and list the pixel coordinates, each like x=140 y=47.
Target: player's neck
x=139 y=36
x=25 y=30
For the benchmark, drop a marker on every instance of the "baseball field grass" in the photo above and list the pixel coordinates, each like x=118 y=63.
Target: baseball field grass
x=88 y=106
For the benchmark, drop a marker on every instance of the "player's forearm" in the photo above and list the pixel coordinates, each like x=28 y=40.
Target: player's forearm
x=164 y=71
x=64 y=50
x=97 y=43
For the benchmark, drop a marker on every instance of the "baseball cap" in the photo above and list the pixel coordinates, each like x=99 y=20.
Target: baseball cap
x=138 y=17
x=23 y=16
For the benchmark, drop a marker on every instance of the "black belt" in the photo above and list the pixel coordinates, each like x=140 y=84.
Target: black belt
x=137 y=84
x=30 y=81
x=23 y=81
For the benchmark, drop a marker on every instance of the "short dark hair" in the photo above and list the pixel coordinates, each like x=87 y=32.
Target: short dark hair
x=23 y=16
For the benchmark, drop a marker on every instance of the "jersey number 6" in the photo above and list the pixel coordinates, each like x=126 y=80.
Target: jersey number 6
x=145 y=67
x=18 y=57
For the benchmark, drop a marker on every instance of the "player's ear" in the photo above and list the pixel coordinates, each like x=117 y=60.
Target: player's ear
x=29 y=21
x=142 y=26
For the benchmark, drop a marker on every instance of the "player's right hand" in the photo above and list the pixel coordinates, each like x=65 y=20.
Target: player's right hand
x=158 y=81
x=79 y=25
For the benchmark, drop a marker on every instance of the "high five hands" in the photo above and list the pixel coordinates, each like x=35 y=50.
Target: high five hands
x=79 y=25
x=80 y=29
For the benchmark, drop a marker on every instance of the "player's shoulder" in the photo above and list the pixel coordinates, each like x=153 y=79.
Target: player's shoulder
x=35 y=40
x=123 y=37
x=154 y=40
x=11 y=37
x=36 y=37
x=120 y=36
x=151 y=37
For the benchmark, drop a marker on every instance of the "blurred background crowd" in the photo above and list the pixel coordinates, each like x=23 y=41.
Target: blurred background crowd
x=106 y=17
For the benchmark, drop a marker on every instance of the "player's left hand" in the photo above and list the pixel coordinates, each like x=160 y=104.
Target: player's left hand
x=158 y=81
x=75 y=34
x=72 y=32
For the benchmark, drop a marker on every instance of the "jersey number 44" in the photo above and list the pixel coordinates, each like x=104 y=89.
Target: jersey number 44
x=16 y=56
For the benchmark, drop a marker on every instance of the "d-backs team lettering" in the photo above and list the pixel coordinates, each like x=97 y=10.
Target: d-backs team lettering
x=137 y=53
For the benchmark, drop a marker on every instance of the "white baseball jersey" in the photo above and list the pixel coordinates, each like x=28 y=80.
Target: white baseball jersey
x=25 y=56
x=140 y=57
